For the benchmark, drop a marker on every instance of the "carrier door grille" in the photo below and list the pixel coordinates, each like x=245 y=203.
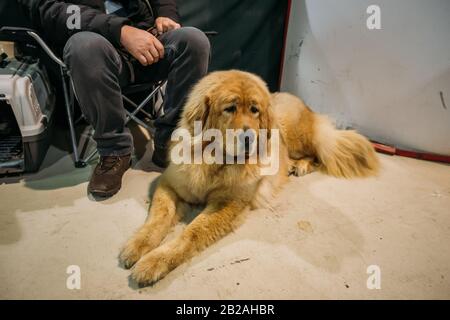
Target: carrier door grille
x=11 y=144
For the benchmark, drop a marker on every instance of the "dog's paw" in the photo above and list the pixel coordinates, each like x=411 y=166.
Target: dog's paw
x=151 y=268
x=302 y=167
x=293 y=171
x=133 y=250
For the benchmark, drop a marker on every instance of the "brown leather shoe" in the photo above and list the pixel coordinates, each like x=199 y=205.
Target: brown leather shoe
x=106 y=179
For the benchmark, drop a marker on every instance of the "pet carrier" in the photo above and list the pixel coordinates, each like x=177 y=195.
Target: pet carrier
x=26 y=112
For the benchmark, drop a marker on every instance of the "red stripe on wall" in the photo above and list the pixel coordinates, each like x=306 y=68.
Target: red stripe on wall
x=382 y=148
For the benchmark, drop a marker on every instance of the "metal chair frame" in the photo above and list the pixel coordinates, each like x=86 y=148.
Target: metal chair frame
x=24 y=35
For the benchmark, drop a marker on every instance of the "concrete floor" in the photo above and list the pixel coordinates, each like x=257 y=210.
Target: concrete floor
x=317 y=243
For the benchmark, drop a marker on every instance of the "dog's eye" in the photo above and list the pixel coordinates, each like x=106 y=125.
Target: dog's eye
x=230 y=109
x=254 y=109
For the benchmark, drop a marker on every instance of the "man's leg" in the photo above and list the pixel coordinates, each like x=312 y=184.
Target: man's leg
x=97 y=73
x=186 y=59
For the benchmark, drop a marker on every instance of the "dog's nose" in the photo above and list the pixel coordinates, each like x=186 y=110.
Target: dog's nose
x=247 y=138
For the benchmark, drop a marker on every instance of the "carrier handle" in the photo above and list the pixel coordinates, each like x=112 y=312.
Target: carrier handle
x=23 y=34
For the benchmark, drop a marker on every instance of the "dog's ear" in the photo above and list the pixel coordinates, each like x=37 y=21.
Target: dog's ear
x=266 y=120
x=205 y=115
x=197 y=110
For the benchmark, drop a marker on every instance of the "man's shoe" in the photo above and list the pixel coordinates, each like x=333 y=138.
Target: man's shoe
x=106 y=179
x=160 y=156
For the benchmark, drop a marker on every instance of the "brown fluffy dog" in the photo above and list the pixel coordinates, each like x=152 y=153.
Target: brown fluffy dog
x=237 y=100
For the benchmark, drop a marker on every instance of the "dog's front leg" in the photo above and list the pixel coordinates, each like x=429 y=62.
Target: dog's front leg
x=164 y=212
x=209 y=226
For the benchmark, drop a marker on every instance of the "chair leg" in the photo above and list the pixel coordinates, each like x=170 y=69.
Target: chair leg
x=89 y=157
x=160 y=111
x=139 y=108
x=142 y=104
x=77 y=162
x=134 y=105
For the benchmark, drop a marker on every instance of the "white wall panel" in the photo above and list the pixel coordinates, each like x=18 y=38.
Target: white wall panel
x=386 y=83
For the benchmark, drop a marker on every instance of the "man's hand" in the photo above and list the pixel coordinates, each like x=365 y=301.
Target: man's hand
x=164 y=24
x=142 y=45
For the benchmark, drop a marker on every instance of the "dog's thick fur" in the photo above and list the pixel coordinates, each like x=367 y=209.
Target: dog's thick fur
x=308 y=141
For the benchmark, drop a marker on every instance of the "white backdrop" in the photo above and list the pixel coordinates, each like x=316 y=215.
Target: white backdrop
x=391 y=84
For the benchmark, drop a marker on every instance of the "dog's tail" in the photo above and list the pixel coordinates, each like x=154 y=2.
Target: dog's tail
x=342 y=153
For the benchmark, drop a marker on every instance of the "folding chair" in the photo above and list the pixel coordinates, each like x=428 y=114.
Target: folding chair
x=34 y=45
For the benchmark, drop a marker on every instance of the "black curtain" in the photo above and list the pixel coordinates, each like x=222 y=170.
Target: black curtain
x=11 y=15
x=250 y=33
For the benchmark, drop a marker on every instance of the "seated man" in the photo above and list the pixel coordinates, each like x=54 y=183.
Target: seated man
x=111 y=49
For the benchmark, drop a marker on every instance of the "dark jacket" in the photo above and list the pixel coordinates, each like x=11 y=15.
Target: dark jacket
x=50 y=16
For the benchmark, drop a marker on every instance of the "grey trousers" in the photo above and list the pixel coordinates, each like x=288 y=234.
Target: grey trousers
x=99 y=71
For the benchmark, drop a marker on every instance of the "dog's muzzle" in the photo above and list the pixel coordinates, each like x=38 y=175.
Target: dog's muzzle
x=247 y=142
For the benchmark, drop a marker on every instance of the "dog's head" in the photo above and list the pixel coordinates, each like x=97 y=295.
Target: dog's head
x=234 y=100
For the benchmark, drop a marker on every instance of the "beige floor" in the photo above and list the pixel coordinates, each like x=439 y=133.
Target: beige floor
x=317 y=243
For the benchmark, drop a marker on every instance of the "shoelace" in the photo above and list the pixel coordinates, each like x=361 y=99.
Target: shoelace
x=108 y=163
